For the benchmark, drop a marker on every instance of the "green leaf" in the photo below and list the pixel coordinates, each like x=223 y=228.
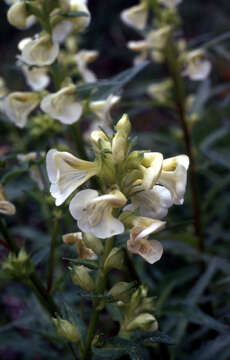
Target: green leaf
x=74 y=14
x=102 y=89
x=12 y=174
x=91 y=264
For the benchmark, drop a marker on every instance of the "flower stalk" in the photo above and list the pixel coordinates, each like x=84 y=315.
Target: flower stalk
x=51 y=264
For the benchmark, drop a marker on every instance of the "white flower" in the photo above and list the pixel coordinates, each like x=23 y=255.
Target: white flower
x=17 y=16
x=66 y=173
x=174 y=177
x=62 y=105
x=151 y=166
x=170 y=3
x=150 y=250
x=34 y=170
x=153 y=203
x=136 y=16
x=36 y=78
x=197 y=68
x=6 y=207
x=156 y=39
x=62 y=26
x=18 y=105
x=94 y=213
x=102 y=108
x=39 y=51
x=83 y=58
x=159 y=91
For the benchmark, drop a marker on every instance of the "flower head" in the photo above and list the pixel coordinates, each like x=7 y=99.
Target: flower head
x=18 y=105
x=150 y=250
x=94 y=213
x=197 y=68
x=36 y=78
x=63 y=105
x=18 y=16
x=66 y=173
x=83 y=58
x=39 y=51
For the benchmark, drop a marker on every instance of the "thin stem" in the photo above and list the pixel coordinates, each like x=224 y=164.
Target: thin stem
x=52 y=255
x=100 y=288
x=175 y=71
x=78 y=140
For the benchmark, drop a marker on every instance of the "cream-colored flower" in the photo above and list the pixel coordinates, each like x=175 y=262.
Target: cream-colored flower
x=39 y=51
x=6 y=207
x=94 y=213
x=153 y=203
x=196 y=67
x=174 y=177
x=150 y=250
x=66 y=173
x=136 y=16
x=18 y=105
x=151 y=166
x=159 y=91
x=62 y=27
x=34 y=170
x=156 y=39
x=63 y=105
x=36 y=78
x=83 y=58
x=102 y=108
x=170 y=3
x=18 y=16
x=77 y=239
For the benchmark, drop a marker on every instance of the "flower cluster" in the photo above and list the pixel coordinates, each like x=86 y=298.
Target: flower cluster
x=53 y=54
x=132 y=182
x=193 y=63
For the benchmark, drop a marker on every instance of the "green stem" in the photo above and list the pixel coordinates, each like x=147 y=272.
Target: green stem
x=52 y=255
x=175 y=71
x=36 y=285
x=78 y=140
x=100 y=288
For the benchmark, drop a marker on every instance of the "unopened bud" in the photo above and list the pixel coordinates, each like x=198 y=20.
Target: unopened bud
x=94 y=243
x=121 y=291
x=120 y=140
x=18 y=266
x=77 y=239
x=67 y=330
x=143 y=322
x=81 y=277
x=115 y=259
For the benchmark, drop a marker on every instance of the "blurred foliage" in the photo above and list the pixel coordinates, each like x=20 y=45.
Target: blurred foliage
x=191 y=289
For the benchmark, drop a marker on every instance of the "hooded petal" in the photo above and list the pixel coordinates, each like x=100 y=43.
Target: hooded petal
x=17 y=106
x=36 y=78
x=61 y=30
x=83 y=58
x=151 y=167
x=63 y=106
x=174 y=177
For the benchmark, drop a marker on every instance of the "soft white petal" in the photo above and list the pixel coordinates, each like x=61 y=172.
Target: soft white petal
x=78 y=204
x=51 y=166
x=61 y=30
x=135 y=16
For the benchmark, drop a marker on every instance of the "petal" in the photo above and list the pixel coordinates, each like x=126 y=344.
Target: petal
x=156 y=226
x=51 y=166
x=80 y=201
x=7 y=208
x=175 y=182
x=136 y=16
x=109 y=226
x=61 y=30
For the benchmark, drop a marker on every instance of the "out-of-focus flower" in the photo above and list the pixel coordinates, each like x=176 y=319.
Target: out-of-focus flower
x=6 y=207
x=63 y=105
x=18 y=105
x=36 y=78
x=94 y=213
x=3 y=92
x=142 y=227
x=34 y=170
x=160 y=91
x=66 y=173
x=102 y=108
x=136 y=16
x=83 y=58
x=196 y=67
x=39 y=51
x=18 y=16
x=170 y=3
x=64 y=25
